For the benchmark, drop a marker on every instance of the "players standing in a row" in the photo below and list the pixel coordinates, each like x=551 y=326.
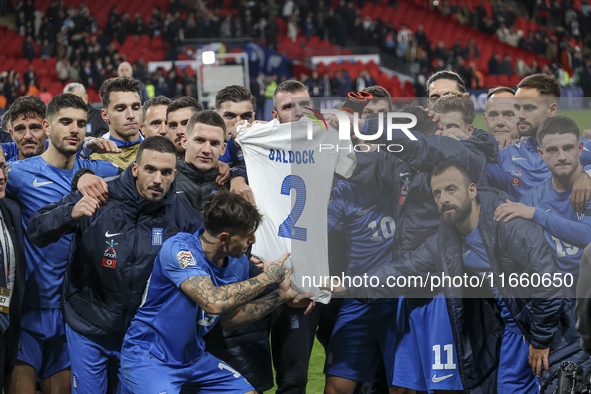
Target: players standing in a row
x=34 y=183
x=103 y=290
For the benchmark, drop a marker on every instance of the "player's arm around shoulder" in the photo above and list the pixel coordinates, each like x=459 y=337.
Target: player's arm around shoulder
x=217 y=300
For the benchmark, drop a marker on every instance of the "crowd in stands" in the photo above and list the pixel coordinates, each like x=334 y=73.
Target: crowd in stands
x=89 y=52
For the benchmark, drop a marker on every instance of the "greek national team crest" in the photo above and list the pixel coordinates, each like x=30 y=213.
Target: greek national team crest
x=110 y=255
x=185 y=258
x=157 y=236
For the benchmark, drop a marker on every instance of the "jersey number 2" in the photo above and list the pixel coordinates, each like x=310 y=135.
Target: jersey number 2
x=288 y=229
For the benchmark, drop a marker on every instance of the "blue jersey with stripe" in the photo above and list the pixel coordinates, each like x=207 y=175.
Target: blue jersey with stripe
x=522 y=168
x=366 y=216
x=170 y=325
x=567 y=232
x=34 y=183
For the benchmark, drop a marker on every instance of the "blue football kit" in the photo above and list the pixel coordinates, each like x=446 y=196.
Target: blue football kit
x=34 y=183
x=567 y=232
x=366 y=219
x=164 y=348
x=514 y=373
x=522 y=168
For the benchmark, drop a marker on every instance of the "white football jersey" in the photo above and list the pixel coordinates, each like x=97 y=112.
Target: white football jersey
x=290 y=170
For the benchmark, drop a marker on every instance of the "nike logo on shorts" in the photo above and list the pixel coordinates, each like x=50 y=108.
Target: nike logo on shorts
x=435 y=379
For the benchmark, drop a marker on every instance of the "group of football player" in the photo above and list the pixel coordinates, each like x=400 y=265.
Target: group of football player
x=122 y=252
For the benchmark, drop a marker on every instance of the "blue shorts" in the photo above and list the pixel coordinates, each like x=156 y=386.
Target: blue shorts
x=90 y=356
x=43 y=341
x=426 y=357
x=147 y=375
x=359 y=338
x=515 y=374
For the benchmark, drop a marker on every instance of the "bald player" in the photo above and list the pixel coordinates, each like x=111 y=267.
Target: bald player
x=499 y=115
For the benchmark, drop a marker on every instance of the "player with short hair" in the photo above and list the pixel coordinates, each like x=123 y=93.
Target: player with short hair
x=521 y=167
x=96 y=126
x=469 y=231
x=122 y=110
x=204 y=142
x=36 y=182
x=154 y=116
x=26 y=119
x=197 y=280
x=103 y=290
x=456 y=114
x=178 y=114
x=290 y=101
x=235 y=104
x=442 y=83
x=382 y=101
x=499 y=114
x=567 y=232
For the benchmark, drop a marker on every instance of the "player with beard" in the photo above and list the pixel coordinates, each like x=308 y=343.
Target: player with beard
x=178 y=114
x=567 y=233
x=478 y=245
x=35 y=182
x=521 y=167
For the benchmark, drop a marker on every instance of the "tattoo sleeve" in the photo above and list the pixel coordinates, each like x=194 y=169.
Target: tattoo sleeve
x=217 y=300
x=253 y=311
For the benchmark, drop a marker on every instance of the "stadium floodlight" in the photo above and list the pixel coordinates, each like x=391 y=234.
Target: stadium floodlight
x=208 y=57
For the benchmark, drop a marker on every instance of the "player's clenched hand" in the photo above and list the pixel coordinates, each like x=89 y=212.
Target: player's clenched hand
x=258 y=262
x=238 y=185
x=579 y=198
x=86 y=206
x=275 y=270
x=511 y=210
x=102 y=145
x=93 y=186
x=223 y=172
x=587 y=133
x=538 y=358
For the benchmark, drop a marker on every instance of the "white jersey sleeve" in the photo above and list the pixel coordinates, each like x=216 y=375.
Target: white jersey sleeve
x=290 y=169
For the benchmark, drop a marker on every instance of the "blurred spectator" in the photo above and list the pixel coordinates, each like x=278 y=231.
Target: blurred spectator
x=45 y=50
x=477 y=80
x=364 y=80
x=403 y=41
x=514 y=37
x=126 y=70
x=62 y=69
x=30 y=77
x=440 y=51
x=471 y=50
x=521 y=68
x=29 y=49
x=503 y=33
x=292 y=28
x=315 y=85
x=494 y=64
x=415 y=53
x=505 y=66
